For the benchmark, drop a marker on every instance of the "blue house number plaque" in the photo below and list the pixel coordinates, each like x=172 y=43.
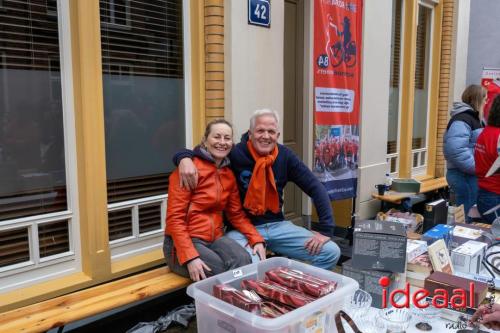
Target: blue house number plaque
x=259 y=12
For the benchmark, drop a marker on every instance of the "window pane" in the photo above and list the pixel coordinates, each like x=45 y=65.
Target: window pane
x=392 y=137
x=32 y=167
x=143 y=95
x=420 y=110
x=120 y=224
x=149 y=218
x=53 y=238
x=14 y=247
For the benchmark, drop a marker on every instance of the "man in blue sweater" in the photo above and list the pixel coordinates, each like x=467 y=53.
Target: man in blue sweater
x=262 y=168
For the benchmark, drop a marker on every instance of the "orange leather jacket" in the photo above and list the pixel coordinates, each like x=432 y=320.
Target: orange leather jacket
x=198 y=213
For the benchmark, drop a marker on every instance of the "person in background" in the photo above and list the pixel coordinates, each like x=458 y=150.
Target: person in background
x=195 y=245
x=459 y=140
x=486 y=153
x=262 y=168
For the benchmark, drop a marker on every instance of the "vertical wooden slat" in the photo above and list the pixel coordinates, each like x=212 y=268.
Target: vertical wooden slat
x=197 y=69
x=89 y=123
x=435 y=72
x=408 y=88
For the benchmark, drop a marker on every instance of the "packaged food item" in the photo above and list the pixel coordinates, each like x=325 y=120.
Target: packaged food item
x=276 y=292
x=301 y=281
x=237 y=298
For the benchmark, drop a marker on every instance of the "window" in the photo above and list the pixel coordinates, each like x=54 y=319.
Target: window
x=421 y=95
x=394 y=88
x=36 y=219
x=408 y=155
x=143 y=81
x=116 y=12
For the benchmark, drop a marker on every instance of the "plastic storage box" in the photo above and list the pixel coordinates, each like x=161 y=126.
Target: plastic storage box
x=405 y=185
x=214 y=315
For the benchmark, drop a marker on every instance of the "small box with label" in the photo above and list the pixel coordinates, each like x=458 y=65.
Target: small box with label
x=440 y=231
x=467 y=257
x=414 y=248
x=379 y=245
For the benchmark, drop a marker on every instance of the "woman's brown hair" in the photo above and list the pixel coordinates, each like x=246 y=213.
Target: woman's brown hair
x=474 y=96
x=214 y=122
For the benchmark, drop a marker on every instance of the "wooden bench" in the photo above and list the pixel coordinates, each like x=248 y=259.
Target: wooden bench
x=62 y=310
x=426 y=187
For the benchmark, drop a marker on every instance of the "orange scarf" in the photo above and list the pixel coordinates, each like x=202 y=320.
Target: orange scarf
x=261 y=194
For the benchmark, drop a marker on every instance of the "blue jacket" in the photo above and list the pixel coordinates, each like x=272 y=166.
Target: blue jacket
x=287 y=167
x=460 y=138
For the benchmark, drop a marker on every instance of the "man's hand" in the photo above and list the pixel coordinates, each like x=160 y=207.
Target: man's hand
x=260 y=250
x=488 y=317
x=315 y=243
x=196 y=268
x=188 y=174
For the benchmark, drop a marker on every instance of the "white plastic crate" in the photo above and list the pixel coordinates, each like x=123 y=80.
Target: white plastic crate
x=214 y=315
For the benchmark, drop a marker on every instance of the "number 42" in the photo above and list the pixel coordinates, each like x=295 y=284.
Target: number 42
x=260 y=11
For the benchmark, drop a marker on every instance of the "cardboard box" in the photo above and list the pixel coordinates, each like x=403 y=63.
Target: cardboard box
x=449 y=282
x=441 y=231
x=435 y=213
x=379 y=245
x=463 y=233
x=369 y=281
x=414 y=248
x=405 y=185
x=467 y=257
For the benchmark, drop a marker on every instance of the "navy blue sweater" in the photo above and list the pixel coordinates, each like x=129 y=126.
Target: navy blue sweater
x=287 y=167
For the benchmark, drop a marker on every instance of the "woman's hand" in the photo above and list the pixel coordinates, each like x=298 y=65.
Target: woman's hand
x=260 y=250
x=196 y=268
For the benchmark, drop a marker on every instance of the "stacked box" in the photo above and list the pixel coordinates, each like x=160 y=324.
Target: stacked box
x=369 y=281
x=467 y=257
x=440 y=231
x=379 y=245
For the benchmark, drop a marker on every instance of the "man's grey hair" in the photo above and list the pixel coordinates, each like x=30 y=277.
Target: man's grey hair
x=264 y=112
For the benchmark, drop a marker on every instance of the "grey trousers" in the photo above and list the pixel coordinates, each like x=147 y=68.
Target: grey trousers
x=222 y=255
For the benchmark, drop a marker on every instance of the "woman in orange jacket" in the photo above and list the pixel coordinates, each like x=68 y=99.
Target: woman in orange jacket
x=195 y=245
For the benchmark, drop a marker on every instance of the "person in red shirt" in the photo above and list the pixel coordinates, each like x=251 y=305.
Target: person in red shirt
x=486 y=152
x=493 y=89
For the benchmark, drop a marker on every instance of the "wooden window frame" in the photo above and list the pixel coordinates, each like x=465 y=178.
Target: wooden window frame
x=90 y=201
x=407 y=87
x=21 y=275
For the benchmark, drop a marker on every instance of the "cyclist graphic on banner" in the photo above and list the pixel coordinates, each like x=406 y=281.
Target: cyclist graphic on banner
x=339 y=47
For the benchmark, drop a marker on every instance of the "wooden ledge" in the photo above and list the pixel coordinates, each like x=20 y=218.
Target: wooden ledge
x=426 y=186
x=59 y=311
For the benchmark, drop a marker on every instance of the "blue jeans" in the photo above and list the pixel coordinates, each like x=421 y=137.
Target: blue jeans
x=485 y=201
x=288 y=240
x=464 y=187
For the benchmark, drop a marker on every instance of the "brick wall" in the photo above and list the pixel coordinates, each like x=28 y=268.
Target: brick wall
x=445 y=92
x=214 y=59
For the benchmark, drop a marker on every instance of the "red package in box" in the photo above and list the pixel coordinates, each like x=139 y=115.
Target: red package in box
x=235 y=297
x=301 y=281
x=276 y=292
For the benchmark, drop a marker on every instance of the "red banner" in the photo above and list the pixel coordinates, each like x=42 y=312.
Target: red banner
x=337 y=78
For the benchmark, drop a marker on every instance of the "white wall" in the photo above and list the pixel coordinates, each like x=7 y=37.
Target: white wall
x=484 y=34
x=460 y=51
x=253 y=63
x=377 y=18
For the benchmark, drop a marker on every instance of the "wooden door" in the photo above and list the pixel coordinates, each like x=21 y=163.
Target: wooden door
x=293 y=82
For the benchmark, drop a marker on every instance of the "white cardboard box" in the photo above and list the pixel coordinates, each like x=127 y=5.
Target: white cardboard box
x=414 y=248
x=467 y=257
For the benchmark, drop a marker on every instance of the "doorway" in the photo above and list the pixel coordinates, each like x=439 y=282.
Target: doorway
x=293 y=83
